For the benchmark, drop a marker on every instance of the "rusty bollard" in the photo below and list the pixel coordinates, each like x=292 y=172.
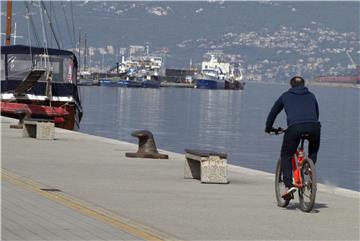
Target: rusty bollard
x=147 y=146
x=22 y=114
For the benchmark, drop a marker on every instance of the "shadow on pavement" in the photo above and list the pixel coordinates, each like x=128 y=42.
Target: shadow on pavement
x=317 y=206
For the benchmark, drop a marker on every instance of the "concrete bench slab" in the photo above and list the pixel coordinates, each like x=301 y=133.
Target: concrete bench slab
x=208 y=166
x=39 y=129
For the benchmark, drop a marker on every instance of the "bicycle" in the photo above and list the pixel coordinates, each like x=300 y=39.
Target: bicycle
x=304 y=177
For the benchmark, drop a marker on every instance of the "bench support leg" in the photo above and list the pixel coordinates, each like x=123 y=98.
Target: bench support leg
x=192 y=169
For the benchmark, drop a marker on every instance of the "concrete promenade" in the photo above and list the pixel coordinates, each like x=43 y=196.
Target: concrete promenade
x=82 y=187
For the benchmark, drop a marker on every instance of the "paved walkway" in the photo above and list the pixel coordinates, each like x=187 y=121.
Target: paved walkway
x=81 y=187
x=29 y=216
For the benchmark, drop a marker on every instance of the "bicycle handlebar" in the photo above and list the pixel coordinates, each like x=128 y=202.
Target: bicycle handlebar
x=277 y=131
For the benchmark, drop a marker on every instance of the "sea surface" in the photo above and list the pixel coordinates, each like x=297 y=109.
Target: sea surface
x=228 y=121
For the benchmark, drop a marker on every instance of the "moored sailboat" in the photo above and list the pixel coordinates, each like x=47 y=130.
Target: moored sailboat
x=40 y=81
x=48 y=93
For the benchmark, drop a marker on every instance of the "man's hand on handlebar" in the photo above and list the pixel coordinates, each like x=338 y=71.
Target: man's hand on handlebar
x=276 y=131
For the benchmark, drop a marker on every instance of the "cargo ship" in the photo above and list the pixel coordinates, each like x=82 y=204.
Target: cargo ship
x=218 y=75
x=352 y=78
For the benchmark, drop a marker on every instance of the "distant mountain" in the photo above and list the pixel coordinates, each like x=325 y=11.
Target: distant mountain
x=270 y=40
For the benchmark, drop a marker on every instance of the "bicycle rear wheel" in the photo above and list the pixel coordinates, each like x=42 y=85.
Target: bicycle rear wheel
x=307 y=194
x=280 y=186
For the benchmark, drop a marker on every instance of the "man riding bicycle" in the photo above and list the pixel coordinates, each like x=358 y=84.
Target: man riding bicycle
x=302 y=115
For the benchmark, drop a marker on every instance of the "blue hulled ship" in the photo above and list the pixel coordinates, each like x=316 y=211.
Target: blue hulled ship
x=217 y=75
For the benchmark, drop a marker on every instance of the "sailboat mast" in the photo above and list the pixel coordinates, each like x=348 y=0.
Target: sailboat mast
x=85 y=50
x=79 y=63
x=8 y=23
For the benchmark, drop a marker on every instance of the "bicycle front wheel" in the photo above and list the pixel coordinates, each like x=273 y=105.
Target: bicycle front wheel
x=280 y=186
x=307 y=193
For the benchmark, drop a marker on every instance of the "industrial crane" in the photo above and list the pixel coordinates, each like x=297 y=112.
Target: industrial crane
x=353 y=64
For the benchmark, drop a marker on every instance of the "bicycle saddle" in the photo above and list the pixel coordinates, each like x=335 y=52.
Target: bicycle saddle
x=305 y=135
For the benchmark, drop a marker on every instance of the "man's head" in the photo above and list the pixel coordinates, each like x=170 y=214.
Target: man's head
x=297 y=81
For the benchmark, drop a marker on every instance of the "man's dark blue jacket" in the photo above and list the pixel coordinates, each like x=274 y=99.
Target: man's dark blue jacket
x=300 y=106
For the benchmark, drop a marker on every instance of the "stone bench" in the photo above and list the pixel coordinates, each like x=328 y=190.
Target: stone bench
x=208 y=166
x=43 y=129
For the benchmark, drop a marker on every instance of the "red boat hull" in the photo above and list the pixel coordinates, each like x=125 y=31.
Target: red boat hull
x=339 y=79
x=63 y=117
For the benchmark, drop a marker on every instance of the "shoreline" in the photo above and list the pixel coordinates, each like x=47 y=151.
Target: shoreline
x=231 y=167
x=311 y=83
x=82 y=175
x=354 y=86
x=346 y=192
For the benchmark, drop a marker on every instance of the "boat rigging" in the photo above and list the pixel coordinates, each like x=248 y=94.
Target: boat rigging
x=40 y=80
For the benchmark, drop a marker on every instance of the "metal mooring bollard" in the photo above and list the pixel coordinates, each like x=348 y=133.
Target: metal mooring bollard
x=22 y=114
x=147 y=146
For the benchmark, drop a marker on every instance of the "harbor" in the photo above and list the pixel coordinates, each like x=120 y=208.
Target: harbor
x=226 y=121
x=148 y=199
x=146 y=120
x=42 y=81
x=148 y=71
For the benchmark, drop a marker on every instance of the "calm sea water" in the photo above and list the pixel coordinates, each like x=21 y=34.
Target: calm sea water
x=228 y=121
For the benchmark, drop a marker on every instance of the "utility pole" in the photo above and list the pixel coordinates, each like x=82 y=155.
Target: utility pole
x=8 y=23
x=102 y=63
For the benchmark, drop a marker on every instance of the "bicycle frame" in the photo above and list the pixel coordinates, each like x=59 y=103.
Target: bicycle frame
x=296 y=165
x=304 y=177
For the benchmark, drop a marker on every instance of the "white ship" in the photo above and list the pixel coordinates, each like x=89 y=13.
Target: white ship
x=218 y=75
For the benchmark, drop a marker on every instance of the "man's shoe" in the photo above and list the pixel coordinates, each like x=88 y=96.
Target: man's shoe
x=288 y=194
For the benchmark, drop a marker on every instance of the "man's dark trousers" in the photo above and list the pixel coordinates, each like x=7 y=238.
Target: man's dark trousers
x=290 y=143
